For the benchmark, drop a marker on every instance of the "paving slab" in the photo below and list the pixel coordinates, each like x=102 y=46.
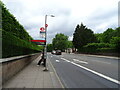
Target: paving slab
x=33 y=76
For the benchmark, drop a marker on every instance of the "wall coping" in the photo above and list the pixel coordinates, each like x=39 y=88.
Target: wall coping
x=16 y=58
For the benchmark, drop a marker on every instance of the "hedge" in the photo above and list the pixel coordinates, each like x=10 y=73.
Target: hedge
x=12 y=46
x=97 y=48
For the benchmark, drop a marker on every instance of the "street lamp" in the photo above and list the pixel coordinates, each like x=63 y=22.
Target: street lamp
x=45 y=47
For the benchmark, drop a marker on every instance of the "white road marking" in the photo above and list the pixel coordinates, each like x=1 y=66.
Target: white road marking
x=65 y=59
x=57 y=60
x=80 y=61
x=94 y=72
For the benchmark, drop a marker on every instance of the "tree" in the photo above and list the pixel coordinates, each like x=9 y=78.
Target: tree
x=99 y=37
x=69 y=44
x=49 y=47
x=82 y=36
x=60 y=41
x=115 y=41
x=107 y=35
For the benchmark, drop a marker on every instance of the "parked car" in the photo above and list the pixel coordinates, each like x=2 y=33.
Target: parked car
x=58 y=52
x=53 y=52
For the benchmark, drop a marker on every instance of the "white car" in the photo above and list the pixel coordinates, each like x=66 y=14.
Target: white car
x=53 y=52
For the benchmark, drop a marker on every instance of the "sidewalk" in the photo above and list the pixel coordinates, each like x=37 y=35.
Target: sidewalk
x=33 y=76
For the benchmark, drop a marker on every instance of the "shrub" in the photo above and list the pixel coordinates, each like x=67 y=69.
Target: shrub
x=95 y=47
x=115 y=42
x=12 y=46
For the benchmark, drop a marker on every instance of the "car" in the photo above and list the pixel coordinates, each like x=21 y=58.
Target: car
x=58 y=52
x=53 y=52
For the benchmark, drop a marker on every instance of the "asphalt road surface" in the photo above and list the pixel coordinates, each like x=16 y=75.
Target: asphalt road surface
x=86 y=71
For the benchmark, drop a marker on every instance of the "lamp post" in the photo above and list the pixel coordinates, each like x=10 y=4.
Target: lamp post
x=45 y=47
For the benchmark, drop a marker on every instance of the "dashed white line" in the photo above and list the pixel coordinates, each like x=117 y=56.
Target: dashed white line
x=57 y=61
x=65 y=59
x=94 y=72
x=80 y=61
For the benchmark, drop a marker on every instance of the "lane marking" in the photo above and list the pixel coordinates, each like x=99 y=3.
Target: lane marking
x=65 y=59
x=80 y=61
x=94 y=72
x=57 y=60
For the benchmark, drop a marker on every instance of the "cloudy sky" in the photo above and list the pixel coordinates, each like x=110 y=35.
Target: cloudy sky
x=97 y=15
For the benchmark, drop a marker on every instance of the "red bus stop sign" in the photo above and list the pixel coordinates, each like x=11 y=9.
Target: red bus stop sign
x=42 y=28
x=46 y=25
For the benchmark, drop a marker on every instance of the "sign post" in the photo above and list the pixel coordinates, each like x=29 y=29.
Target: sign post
x=45 y=46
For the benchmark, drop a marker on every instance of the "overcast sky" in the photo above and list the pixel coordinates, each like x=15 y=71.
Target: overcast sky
x=97 y=15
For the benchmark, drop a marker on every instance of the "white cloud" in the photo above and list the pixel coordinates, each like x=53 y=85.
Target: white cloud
x=97 y=15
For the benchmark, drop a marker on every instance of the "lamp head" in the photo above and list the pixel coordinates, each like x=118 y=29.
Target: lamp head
x=52 y=16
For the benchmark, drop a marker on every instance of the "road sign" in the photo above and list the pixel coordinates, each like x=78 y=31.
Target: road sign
x=39 y=43
x=42 y=28
x=38 y=40
x=46 y=25
x=42 y=32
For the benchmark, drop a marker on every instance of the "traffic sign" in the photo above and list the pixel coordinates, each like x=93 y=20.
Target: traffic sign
x=38 y=40
x=42 y=32
x=46 y=25
x=42 y=28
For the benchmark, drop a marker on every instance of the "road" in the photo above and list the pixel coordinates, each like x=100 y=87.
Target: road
x=86 y=71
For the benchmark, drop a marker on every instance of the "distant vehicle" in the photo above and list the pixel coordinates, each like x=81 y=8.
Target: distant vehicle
x=58 y=52
x=53 y=52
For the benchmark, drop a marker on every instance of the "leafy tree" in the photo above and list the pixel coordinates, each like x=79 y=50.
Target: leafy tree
x=69 y=44
x=99 y=37
x=115 y=41
x=15 y=39
x=60 y=41
x=116 y=32
x=82 y=36
x=49 y=47
x=107 y=35
x=11 y=25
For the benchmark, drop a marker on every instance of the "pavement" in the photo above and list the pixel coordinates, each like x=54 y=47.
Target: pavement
x=33 y=76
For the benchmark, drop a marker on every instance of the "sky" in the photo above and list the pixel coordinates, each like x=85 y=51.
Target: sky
x=97 y=15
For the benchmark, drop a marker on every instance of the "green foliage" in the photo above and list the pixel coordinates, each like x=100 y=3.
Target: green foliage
x=82 y=36
x=49 y=47
x=94 y=47
x=99 y=37
x=106 y=50
x=11 y=25
x=107 y=42
x=12 y=46
x=116 y=32
x=107 y=35
x=15 y=39
x=115 y=41
x=98 y=45
x=60 y=41
x=69 y=44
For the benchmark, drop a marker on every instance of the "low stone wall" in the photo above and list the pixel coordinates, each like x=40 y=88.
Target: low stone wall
x=11 y=66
